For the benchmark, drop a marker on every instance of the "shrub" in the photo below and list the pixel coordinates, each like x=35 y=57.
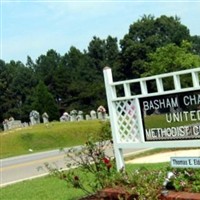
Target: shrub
x=184 y=179
x=96 y=170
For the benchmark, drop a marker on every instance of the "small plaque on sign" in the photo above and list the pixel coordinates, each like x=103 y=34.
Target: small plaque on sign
x=185 y=162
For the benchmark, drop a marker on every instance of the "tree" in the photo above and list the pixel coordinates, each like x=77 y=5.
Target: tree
x=144 y=37
x=45 y=68
x=43 y=101
x=75 y=70
x=196 y=44
x=3 y=88
x=96 y=53
x=29 y=63
x=101 y=53
x=8 y=99
x=75 y=80
x=112 y=55
x=22 y=87
x=172 y=58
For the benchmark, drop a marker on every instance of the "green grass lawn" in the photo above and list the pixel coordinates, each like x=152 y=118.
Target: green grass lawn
x=52 y=188
x=45 y=188
x=55 y=135
x=46 y=137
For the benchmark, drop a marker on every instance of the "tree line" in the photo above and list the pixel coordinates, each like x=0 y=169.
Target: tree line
x=55 y=83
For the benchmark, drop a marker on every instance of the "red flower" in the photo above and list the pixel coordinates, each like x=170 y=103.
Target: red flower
x=106 y=160
x=107 y=163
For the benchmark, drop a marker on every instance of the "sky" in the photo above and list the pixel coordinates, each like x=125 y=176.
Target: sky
x=32 y=27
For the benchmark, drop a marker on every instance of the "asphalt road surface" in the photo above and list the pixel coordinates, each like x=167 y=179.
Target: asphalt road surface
x=20 y=168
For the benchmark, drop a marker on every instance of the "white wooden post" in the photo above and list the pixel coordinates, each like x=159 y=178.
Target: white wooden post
x=111 y=93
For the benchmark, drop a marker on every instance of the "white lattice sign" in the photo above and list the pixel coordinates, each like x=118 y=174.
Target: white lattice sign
x=157 y=111
x=127 y=121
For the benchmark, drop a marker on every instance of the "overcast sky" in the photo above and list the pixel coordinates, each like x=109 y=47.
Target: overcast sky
x=35 y=26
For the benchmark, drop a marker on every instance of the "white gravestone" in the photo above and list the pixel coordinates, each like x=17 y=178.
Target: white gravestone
x=87 y=117
x=80 y=115
x=34 y=117
x=45 y=118
x=65 y=117
x=5 y=124
x=101 y=112
x=73 y=115
x=93 y=114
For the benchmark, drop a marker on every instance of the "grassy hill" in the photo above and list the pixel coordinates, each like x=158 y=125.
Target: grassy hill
x=44 y=137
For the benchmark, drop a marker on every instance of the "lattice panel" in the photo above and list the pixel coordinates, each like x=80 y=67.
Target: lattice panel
x=127 y=121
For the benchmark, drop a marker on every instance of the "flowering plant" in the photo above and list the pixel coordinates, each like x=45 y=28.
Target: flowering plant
x=94 y=159
x=96 y=171
x=183 y=179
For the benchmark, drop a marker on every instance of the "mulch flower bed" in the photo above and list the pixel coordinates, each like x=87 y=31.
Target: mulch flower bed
x=120 y=193
x=171 y=195
x=111 y=194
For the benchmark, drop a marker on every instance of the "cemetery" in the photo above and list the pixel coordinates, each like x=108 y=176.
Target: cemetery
x=35 y=118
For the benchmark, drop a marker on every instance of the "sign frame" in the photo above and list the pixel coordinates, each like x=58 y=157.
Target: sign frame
x=126 y=114
x=187 y=109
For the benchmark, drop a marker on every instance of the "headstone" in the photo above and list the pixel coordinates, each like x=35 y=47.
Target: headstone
x=45 y=118
x=99 y=115
x=14 y=124
x=73 y=115
x=11 y=119
x=87 y=117
x=80 y=115
x=106 y=116
x=93 y=114
x=25 y=124
x=34 y=117
x=5 y=125
x=101 y=112
x=65 y=117
x=11 y=123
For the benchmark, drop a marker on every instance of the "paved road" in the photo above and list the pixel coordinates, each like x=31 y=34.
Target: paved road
x=30 y=166
x=20 y=168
